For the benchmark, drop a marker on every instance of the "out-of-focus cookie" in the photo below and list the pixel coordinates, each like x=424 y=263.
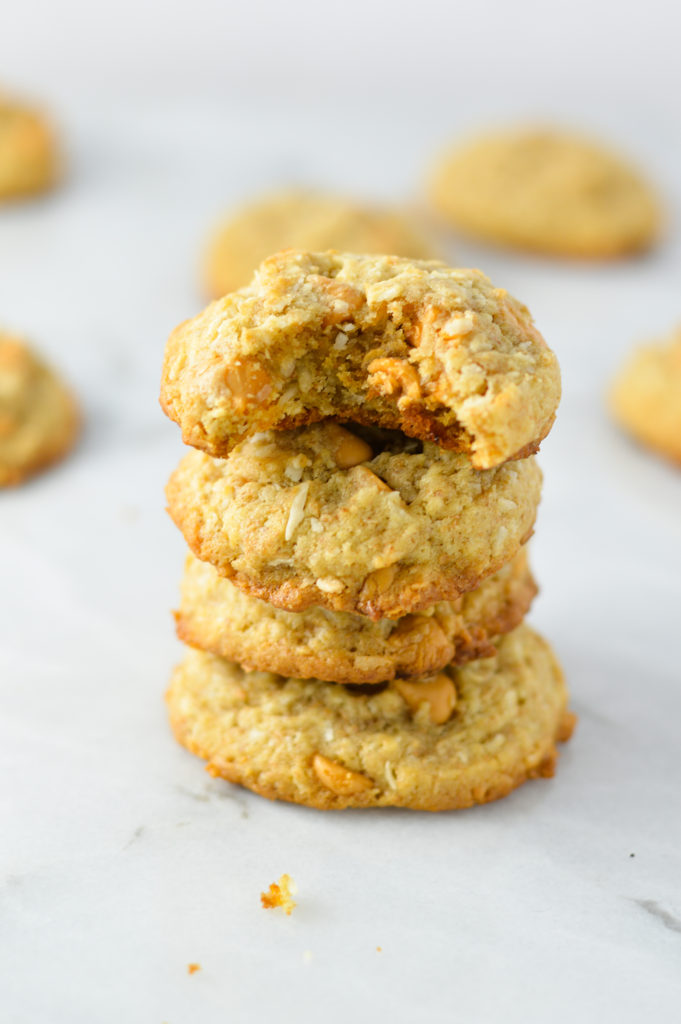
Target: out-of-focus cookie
x=28 y=158
x=416 y=346
x=216 y=616
x=466 y=736
x=646 y=396
x=370 y=522
x=304 y=220
x=39 y=419
x=546 y=191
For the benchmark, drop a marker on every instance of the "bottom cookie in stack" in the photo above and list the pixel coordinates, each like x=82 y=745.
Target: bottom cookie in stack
x=468 y=735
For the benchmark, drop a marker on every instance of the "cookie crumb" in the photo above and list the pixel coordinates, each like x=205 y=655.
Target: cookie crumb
x=279 y=895
x=379 y=949
x=193 y=968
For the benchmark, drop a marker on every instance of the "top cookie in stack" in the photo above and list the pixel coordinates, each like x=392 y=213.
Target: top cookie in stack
x=358 y=507
x=416 y=346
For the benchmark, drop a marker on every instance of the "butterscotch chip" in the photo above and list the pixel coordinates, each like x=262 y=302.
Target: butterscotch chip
x=304 y=220
x=39 y=420
x=311 y=742
x=338 y=646
x=416 y=346
x=413 y=525
x=28 y=160
x=438 y=695
x=646 y=396
x=338 y=779
x=547 y=191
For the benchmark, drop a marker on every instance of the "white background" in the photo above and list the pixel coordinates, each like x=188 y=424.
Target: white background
x=120 y=861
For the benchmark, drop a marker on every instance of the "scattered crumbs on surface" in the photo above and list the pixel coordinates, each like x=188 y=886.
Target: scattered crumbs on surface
x=307 y=956
x=193 y=968
x=279 y=895
x=379 y=949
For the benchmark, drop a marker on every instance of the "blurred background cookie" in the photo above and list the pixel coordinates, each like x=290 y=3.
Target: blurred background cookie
x=28 y=159
x=38 y=415
x=646 y=396
x=301 y=219
x=547 y=191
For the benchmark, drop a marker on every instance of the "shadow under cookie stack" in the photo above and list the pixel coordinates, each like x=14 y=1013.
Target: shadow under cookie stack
x=357 y=506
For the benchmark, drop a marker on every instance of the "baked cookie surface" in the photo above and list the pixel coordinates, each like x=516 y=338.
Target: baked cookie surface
x=546 y=191
x=297 y=219
x=646 y=396
x=39 y=420
x=416 y=346
x=377 y=523
x=467 y=736
x=216 y=616
x=28 y=160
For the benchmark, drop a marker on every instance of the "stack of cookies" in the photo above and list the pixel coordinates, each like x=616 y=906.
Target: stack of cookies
x=357 y=509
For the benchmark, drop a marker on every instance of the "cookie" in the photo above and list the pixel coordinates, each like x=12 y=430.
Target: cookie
x=548 y=192
x=304 y=220
x=416 y=346
x=39 y=419
x=467 y=736
x=646 y=396
x=373 y=522
x=339 y=647
x=28 y=160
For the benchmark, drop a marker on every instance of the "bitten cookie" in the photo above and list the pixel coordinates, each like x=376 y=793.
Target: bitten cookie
x=39 y=419
x=304 y=220
x=339 y=647
x=546 y=191
x=646 y=396
x=372 y=522
x=28 y=159
x=437 y=353
x=467 y=736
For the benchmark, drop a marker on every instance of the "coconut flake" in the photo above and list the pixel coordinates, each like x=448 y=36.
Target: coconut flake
x=297 y=510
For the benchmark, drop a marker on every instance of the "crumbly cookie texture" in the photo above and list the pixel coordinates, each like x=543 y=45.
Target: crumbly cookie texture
x=437 y=353
x=216 y=616
x=304 y=220
x=646 y=396
x=466 y=736
x=546 y=191
x=377 y=523
x=39 y=419
x=28 y=160
x=280 y=895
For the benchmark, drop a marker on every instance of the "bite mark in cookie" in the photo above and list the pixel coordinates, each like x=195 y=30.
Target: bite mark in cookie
x=435 y=352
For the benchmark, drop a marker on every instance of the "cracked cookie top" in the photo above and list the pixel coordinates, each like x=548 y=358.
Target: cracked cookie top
x=438 y=353
x=371 y=522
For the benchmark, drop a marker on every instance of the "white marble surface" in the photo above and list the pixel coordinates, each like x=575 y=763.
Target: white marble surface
x=121 y=861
